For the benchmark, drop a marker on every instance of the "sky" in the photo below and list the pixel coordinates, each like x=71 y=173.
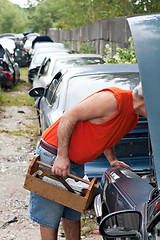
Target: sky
x=21 y=3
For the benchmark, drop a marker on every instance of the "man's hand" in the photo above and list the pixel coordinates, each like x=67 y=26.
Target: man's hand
x=61 y=166
x=117 y=163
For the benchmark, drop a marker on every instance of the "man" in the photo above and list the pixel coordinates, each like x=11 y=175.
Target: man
x=85 y=131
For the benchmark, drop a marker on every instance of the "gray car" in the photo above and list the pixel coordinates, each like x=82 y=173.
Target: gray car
x=51 y=65
x=70 y=87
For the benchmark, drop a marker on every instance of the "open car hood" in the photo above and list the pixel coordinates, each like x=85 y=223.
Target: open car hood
x=146 y=36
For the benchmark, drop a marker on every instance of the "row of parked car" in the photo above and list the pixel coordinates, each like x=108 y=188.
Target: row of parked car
x=127 y=204
x=13 y=55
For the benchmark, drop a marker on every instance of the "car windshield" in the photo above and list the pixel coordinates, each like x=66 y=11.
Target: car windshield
x=72 y=62
x=82 y=86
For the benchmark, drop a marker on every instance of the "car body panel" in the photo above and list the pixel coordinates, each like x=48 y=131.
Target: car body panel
x=40 y=45
x=125 y=190
x=53 y=64
x=9 y=44
x=40 y=39
x=146 y=37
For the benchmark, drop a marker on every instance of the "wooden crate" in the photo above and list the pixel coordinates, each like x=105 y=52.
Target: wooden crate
x=55 y=193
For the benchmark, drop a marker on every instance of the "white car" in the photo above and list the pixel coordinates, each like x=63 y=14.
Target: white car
x=41 y=45
x=38 y=58
x=50 y=66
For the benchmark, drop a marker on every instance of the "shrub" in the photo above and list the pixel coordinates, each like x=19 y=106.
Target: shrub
x=120 y=55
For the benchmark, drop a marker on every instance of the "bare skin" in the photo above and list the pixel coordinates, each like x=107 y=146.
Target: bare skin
x=71 y=229
x=86 y=110
x=96 y=111
x=48 y=233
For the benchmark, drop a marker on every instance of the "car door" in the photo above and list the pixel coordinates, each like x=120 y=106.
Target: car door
x=22 y=57
x=49 y=104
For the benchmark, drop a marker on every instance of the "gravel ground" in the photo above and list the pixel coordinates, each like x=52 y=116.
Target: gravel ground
x=17 y=144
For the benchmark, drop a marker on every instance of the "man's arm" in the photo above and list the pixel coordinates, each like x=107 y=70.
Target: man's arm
x=94 y=109
x=110 y=155
x=66 y=127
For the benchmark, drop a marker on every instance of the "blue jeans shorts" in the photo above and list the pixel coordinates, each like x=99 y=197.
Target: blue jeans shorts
x=46 y=212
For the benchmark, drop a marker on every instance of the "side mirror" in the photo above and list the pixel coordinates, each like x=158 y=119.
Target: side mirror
x=34 y=70
x=37 y=92
x=123 y=224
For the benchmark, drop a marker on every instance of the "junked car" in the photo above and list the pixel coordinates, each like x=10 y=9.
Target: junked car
x=38 y=58
x=71 y=86
x=129 y=204
x=9 y=70
x=41 y=45
x=51 y=65
x=9 y=44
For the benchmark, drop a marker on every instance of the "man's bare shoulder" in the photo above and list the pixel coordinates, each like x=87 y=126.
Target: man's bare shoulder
x=106 y=96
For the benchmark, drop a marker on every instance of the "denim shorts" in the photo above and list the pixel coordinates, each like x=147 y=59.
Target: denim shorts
x=46 y=212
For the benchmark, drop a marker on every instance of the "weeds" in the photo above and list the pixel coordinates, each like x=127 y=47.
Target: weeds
x=120 y=55
x=87 y=225
x=18 y=96
x=87 y=47
x=10 y=98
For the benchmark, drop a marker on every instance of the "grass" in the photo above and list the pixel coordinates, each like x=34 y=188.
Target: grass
x=18 y=96
x=10 y=98
x=87 y=224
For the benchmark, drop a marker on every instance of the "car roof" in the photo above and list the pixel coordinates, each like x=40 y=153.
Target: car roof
x=79 y=55
x=43 y=50
x=51 y=44
x=102 y=68
x=79 y=82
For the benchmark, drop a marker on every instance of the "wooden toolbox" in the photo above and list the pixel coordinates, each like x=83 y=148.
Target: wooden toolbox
x=67 y=198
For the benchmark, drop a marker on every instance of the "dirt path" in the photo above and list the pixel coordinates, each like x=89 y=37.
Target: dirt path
x=17 y=144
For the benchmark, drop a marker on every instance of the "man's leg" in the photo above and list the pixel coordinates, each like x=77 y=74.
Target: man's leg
x=48 y=233
x=71 y=229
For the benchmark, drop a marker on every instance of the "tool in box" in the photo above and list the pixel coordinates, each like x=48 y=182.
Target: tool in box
x=68 y=196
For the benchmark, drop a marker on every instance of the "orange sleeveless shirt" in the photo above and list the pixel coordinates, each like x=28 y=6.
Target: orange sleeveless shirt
x=89 y=140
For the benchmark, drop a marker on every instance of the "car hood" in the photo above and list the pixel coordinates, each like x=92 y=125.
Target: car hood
x=146 y=36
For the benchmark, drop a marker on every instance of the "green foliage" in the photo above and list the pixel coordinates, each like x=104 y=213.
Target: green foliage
x=120 y=55
x=42 y=17
x=86 y=47
x=12 y=18
x=67 y=14
x=2 y=100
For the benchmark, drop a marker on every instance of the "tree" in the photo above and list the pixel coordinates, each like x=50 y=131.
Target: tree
x=12 y=19
x=42 y=17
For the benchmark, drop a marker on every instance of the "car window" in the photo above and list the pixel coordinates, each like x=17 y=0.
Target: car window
x=82 y=86
x=46 y=67
x=53 y=91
